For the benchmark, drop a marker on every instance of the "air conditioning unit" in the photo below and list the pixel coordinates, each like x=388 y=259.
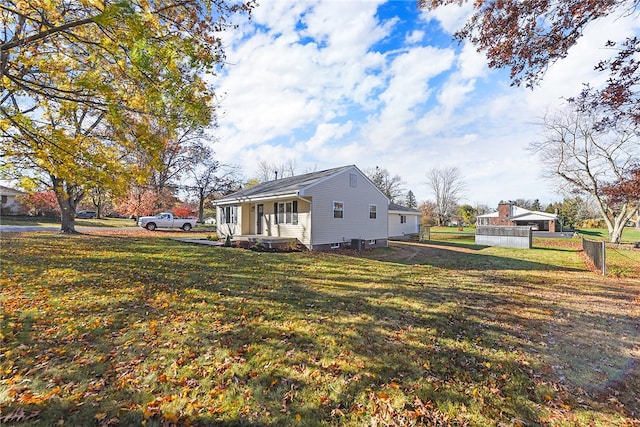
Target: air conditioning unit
x=357 y=244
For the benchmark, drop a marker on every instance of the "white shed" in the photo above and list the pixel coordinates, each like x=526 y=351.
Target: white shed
x=403 y=221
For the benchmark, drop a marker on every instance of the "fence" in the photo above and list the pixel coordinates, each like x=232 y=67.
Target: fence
x=596 y=251
x=506 y=236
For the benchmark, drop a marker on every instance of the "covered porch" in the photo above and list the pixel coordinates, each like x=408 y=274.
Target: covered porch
x=269 y=242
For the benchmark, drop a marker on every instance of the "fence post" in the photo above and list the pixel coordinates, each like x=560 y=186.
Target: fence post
x=597 y=252
x=425 y=230
x=604 y=258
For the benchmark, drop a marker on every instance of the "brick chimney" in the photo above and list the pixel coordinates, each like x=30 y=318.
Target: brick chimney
x=504 y=213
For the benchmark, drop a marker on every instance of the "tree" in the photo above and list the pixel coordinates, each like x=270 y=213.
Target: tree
x=572 y=211
x=87 y=87
x=528 y=36
x=428 y=210
x=467 y=213
x=448 y=187
x=411 y=202
x=180 y=155
x=391 y=186
x=182 y=211
x=584 y=158
x=208 y=179
x=536 y=206
x=41 y=203
x=138 y=201
x=626 y=189
x=270 y=171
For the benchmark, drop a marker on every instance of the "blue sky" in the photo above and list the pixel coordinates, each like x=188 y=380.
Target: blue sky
x=326 y=83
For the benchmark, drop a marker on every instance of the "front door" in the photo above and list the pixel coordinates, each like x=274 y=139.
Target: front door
x=259 y=218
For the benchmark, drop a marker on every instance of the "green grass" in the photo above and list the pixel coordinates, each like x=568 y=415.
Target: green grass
x=46 y=221
x=629 y=234
x=133 y=328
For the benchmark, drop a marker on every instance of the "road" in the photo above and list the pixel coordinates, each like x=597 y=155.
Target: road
x=27 y=228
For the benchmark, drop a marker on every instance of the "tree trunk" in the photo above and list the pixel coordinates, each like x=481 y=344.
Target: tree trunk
x=68 y=218
x=616 y=227
x=68 y=196
x=201 y=205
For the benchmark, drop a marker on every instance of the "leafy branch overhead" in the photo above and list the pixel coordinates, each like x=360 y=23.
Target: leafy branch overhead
x=88 y=87
x=528 y=36
x=99 y=42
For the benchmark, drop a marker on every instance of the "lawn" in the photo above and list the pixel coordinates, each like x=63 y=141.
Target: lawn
x=48 y=221
x=129 y=327
x=629 y=234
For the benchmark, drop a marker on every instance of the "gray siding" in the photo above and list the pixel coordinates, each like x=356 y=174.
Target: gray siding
x=355 y=223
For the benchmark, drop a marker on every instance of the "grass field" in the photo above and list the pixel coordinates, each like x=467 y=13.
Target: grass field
x=45 y=221
x=127 y=327
x=629 y=234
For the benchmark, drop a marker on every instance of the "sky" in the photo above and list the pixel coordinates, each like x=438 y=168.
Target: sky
x=328 y=83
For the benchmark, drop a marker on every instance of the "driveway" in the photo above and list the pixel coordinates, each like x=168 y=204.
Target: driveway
x=27 y=228
x=557 y=235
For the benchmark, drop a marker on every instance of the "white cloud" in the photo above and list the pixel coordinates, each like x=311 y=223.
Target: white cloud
x=451 y=17
x=415 y=36
x=408 y=86
x=325 y=133
x=326 y=83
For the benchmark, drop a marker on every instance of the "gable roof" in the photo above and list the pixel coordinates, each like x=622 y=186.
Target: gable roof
x=283 y=186
x=404 y=209
x=7 y=191
x=522 y=214
x=534 y=216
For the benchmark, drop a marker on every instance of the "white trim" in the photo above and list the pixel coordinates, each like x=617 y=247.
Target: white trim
x=375 y=210
x=333 y=209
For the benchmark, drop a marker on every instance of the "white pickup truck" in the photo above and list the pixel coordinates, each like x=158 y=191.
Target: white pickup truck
x=166 y=220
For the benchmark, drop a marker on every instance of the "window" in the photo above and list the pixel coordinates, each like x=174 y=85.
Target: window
x=229 y=215
x=335 y=246
x=4 y=199
x=353 y=180
x=338 y=210
x=403 y=219
x=286 y=212
x=373 y=214
x=372 y=242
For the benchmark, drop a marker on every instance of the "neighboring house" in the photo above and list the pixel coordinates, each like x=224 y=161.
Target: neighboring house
x=403 y=221
x=8 y=203
x=321 y=210
x=509 y=214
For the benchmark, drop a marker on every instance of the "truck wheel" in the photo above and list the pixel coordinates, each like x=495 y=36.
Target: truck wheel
x=151 y=226
x=186 y=227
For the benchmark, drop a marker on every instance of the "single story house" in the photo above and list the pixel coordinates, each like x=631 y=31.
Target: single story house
x=403 y=221
x=509 y=214
x=8 y=203
x=322 y=210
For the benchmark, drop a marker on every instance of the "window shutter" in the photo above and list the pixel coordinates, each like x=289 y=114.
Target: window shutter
x=295 y=212
x=275 y=213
